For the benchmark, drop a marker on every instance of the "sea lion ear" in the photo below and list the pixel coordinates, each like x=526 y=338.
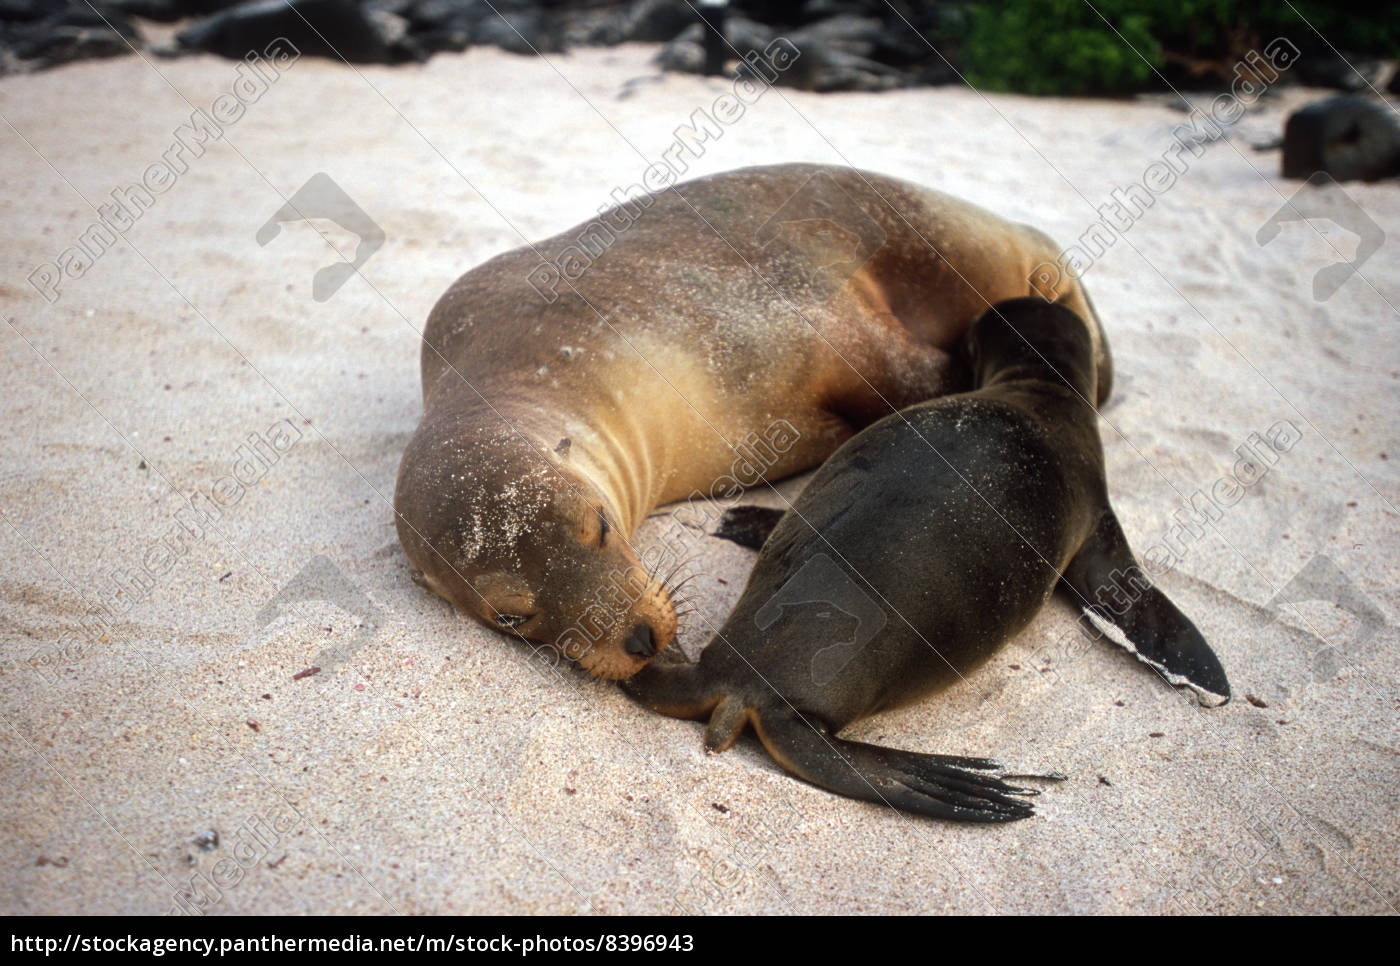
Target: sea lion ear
x=579 y=515
x=562 y=450
x=498 y=585
x=503 y=599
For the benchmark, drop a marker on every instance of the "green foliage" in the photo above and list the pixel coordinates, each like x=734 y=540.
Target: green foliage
x=1080 y=47
x=1375 y=31
x=1060 y=47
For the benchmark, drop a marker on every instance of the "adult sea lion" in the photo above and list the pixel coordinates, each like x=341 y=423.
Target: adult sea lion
x=916 y=551
x=572 y=386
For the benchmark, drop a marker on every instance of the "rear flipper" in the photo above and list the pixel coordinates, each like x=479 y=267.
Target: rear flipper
x=939 y=786
x=748 y=526
x=1106 y=580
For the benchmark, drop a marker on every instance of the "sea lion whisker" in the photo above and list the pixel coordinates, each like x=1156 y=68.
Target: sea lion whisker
x=678 y=567
x=673 y=590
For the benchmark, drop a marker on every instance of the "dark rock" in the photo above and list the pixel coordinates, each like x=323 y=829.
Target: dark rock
x=437 y=25
x=46 y=34
x=775 y=13
x=1348 y=137
x=657 y=21
x=600 y=27
x=393 y=30
x=1341 y=72
x=835 y=55
x=161 y=11
x=169 y=11
x=824 y=68
x=444 y=40
x=337 y=29
x=28 y=11
x=832 y=54
x=686 y=52
x=842 y=44
x=429 y=14
x=845 y=32
x=520 y=32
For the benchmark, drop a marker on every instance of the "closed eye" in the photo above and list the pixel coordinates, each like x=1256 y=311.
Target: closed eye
x=603 y=528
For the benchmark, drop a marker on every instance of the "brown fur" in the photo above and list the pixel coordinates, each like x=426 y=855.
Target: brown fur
x=669 y=348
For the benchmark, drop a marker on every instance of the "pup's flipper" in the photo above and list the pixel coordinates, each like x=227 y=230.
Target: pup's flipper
x=1105 y=579
x=748 y=526
x=940 y=786
x=671 y=687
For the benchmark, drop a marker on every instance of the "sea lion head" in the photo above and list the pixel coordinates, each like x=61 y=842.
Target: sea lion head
x=1030 y=337
x=522 y=539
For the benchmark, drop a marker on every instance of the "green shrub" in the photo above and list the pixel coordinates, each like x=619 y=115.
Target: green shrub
x=1118 y=46
x=1059 y=47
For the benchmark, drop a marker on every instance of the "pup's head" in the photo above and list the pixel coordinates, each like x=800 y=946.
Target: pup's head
x=516 y=536
x=1032 y=337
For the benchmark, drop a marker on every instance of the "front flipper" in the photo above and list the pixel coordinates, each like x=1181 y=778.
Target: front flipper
x=940 y=786
x=672 y=687
x=1105 y=579
x=748 y=526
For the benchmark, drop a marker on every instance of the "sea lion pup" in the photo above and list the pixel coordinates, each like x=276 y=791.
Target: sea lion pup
x=572 y=386
x=915 y=552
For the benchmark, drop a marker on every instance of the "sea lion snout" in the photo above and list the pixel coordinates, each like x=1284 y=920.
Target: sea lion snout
x=642 y=643
x=633 y=631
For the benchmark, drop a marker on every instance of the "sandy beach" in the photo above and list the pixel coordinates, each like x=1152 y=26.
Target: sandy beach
x=199 y=457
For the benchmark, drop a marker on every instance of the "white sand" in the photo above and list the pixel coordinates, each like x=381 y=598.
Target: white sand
x=438 y=772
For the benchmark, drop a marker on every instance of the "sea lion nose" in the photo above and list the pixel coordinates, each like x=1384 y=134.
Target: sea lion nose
x=642 y=643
